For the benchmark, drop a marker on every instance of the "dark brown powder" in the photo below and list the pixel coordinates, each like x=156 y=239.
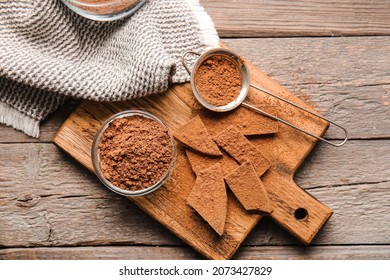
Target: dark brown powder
x=105 y=7
x=135 y=152
x=218 y=80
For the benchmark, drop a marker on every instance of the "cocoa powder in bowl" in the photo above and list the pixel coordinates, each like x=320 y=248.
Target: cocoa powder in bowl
x=218 y=80
x=133 y=153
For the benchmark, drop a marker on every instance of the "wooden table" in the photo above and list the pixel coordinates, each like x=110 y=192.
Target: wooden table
x=333 y=54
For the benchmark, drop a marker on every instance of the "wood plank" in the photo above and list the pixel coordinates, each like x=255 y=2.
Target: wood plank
x=135 y=252
x=274 y=18
x=355 y=93
x=361 y=216
x=356 y=210
x=46 y=199
x=314 y=253
x=344 y=78
x=358 y=162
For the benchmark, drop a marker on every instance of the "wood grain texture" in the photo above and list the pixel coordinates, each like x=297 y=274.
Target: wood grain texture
x=180 y=253
x=361 y=216
x=285 y=150
x=358 y=162
x=346 y=79
x=46 y=199
x=270 y=18
x=44 y=165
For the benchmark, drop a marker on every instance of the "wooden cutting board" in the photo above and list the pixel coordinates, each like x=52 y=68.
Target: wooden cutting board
x=294 y=209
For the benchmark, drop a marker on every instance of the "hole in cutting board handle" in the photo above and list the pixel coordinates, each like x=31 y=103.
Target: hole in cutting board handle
x=301 y=214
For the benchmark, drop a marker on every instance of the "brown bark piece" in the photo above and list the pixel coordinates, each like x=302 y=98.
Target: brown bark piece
x=247 y=121
x=240 y=148
x=249 y=189
x=201 y=162
x=209 y=198
x=194 y=134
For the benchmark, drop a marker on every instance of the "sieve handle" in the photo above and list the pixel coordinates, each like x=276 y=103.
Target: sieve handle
x=184 y=62
x=294 y=126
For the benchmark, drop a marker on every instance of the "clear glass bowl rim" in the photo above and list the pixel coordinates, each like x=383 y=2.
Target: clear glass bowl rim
x=109 y=16
x=99 y=4
x=95 y=156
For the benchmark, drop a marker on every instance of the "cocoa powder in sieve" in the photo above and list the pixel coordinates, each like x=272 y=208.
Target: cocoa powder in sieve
x=106 y=7
x=218 y=80
x=135 y=152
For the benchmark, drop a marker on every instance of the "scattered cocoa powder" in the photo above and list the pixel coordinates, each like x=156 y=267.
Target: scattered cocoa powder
x=135 y=152
x=218 y=80
x=247 y=121
x=106 y=7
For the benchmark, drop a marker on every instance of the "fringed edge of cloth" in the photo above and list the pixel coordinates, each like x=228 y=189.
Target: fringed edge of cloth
x=11 y=117
x=205 y=24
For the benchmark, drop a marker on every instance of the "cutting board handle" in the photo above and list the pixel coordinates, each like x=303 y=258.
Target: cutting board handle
x=294 y=208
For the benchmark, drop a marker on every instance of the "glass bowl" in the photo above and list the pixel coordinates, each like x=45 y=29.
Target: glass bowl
x=104 y=10
x=95 y=154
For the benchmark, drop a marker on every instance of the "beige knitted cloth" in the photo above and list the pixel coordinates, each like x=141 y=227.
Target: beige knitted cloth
x=48 y=54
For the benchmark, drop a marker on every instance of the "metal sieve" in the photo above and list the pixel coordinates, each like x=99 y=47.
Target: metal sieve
x=246 y=84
